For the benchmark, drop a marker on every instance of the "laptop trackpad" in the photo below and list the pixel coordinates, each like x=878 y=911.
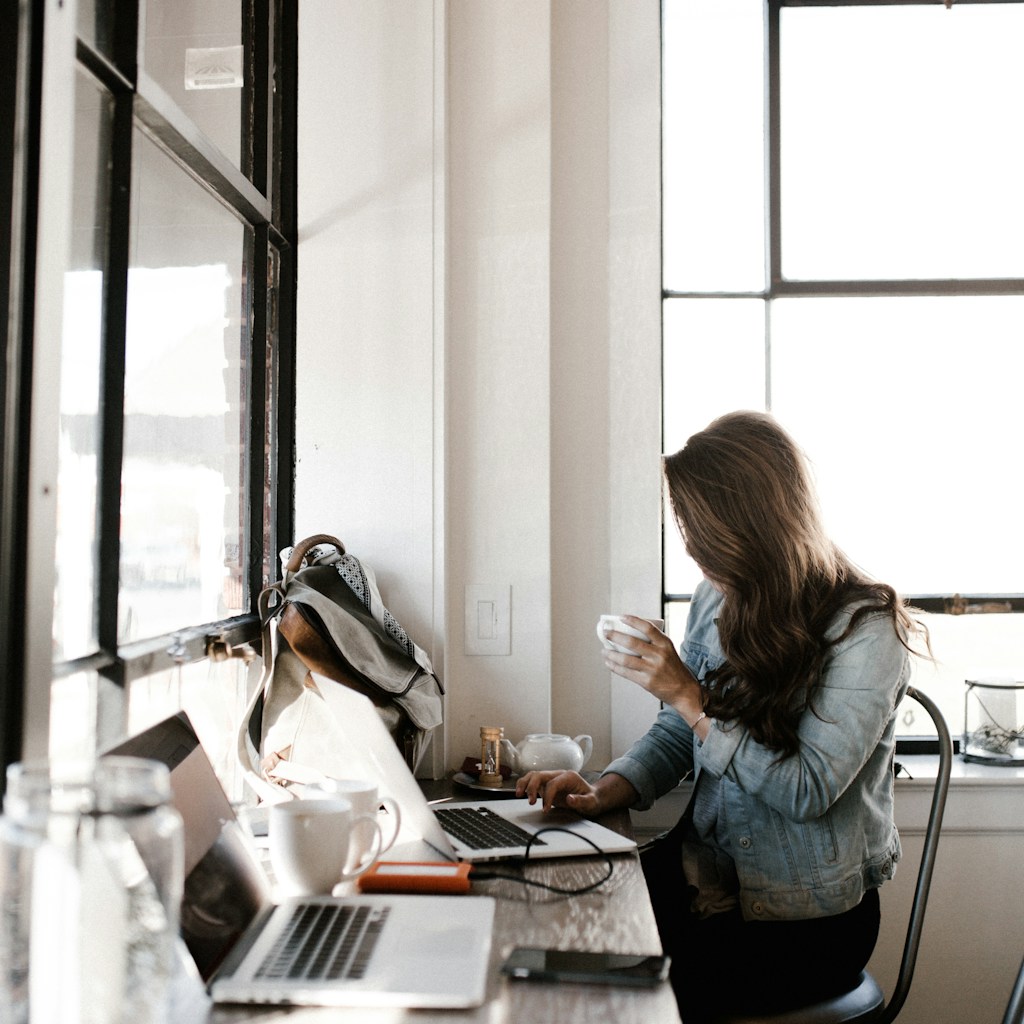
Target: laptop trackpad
x=441 y=942
x=555 y=818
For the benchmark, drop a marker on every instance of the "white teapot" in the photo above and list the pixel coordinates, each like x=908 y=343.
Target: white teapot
x=545 y=750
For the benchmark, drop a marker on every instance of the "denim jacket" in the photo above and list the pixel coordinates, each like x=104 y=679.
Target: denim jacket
x=811 y=833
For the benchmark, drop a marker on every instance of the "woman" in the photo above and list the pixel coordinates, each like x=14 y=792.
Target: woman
x=782 y=701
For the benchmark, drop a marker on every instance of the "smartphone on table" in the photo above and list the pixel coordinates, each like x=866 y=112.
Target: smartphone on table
x=640 y=970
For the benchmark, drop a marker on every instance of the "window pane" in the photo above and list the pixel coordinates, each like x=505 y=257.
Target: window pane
x=965 y=647
x=212 y=693
x=73 y=703
x=900 y=152
x=676 y=613
x=713 y=363
x=182 y=498
x=95 y=24
x=74 y=619
x=910 y=409
x=271 y=447
x=713 y=145
x=195 y=53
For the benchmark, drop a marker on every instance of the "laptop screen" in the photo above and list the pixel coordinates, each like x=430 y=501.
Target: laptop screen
x=225 y=886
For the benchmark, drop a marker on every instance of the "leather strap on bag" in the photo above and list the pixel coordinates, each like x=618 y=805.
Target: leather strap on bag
x=300 y=549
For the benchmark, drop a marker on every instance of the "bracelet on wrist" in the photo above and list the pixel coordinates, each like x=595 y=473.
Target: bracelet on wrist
x=700 y=718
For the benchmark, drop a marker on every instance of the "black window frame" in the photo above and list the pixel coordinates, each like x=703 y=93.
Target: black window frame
x=777 y=286
x=262 y=194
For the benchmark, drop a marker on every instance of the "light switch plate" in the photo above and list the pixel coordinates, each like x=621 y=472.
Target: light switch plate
x=488 y=619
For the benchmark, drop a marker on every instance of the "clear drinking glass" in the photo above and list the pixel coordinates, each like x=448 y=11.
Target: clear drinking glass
x=91 y=866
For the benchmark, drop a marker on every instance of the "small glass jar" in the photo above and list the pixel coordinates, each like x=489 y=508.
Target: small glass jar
x=993 y=722
x=91 y=869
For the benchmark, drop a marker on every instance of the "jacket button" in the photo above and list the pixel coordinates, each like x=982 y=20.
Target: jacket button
x=757 y=907
x=745 y=842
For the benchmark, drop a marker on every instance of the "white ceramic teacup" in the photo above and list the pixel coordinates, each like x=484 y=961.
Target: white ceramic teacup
x=614 y=623
x=365 y=799
x=310 y=842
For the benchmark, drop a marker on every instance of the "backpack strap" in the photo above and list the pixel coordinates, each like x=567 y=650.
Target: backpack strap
x=250 y=730
x=294 y=562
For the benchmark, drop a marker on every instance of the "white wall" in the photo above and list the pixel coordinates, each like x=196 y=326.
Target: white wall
x=478 y=403
x=479 y=334
x=499 y=349
x=369 y=406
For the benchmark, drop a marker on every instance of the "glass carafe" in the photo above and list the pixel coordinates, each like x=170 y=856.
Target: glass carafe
x=91 y=863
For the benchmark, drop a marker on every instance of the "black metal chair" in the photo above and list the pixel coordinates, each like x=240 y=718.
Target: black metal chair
x=1015 y=1007
x=866 y=1003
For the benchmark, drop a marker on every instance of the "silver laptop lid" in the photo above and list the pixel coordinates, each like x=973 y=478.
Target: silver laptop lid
x=366 y=750
x=225 y=886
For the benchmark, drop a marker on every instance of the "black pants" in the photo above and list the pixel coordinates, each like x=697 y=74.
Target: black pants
x=724 y=964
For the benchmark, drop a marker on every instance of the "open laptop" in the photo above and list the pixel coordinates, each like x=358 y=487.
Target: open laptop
x=366 y=749
x=402 y=950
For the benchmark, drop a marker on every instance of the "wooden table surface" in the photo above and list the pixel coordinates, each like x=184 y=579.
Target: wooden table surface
x=616 y=917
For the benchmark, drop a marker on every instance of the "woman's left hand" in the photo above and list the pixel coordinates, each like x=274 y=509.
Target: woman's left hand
x=655 y=665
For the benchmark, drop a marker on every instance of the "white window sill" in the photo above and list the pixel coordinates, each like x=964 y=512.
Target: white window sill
x=982 y=798
x=923 y=768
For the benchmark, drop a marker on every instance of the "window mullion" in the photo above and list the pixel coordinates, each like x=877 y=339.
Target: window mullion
x=111 y=406
x=169 y=125
x=258 y=27
x=261 y=266
x=19 y=120
x=773 y=158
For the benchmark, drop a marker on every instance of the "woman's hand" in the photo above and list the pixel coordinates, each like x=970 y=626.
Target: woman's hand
x=559 y=789
x=571 y=790
x=655 y=665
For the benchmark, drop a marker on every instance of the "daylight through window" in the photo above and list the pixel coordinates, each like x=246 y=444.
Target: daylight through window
x=842 y=225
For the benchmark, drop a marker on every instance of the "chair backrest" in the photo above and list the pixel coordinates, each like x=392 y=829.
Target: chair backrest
x=865 y=1002
x=924 y=875
x=1015 y=1007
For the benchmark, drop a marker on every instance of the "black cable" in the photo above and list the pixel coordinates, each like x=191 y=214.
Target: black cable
x=476 y=874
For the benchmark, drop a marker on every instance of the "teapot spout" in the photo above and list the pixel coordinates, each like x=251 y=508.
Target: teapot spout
x=586 y=745
x=509 y=755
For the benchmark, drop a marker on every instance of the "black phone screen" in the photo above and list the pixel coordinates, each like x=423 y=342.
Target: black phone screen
x=583 y=966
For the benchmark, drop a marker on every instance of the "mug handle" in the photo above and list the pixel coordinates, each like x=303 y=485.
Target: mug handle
x=395 y=816
x=376 y=847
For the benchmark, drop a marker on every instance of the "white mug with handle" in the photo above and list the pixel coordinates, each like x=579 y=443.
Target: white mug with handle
x=311 y=842
x=614 y=623
x=366 y=799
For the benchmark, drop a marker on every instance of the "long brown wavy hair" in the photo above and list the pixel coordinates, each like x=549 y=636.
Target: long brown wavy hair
x=747 y=509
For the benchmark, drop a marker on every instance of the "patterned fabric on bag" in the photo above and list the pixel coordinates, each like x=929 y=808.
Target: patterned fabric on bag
x=326 y=616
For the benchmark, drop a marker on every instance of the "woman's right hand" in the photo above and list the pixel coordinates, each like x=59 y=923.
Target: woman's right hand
x=559 y=789
x=571 y=790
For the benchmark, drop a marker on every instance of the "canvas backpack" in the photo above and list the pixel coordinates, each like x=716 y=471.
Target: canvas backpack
x=325 y=616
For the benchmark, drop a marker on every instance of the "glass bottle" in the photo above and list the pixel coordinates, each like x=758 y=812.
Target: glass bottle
x=91 y=868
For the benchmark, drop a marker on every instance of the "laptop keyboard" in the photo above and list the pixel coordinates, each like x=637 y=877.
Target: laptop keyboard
x=482 y=829
x=325 y=941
